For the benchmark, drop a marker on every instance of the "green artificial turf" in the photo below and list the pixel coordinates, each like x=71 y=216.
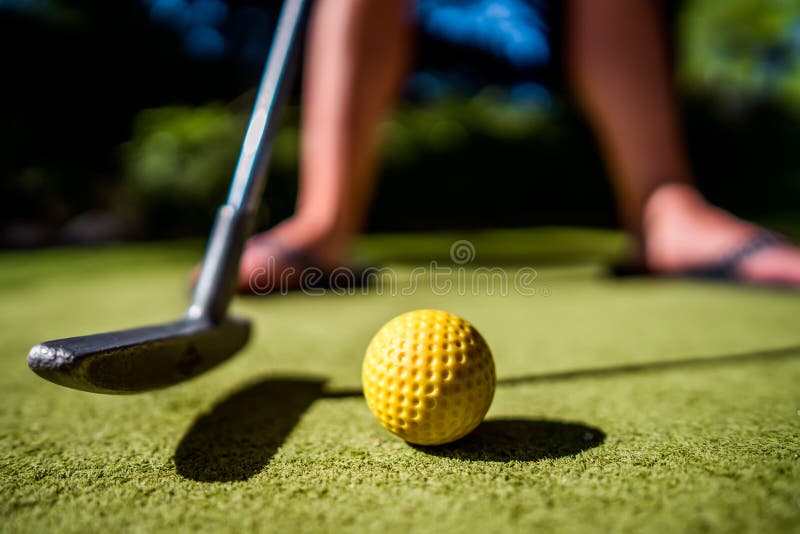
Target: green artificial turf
x=622 y=404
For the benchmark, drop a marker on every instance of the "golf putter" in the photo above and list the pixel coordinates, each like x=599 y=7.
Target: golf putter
x=141 y=359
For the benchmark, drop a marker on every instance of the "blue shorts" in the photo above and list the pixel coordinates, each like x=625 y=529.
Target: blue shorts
x=518 y=32
x=465 y=45
x=500 y=42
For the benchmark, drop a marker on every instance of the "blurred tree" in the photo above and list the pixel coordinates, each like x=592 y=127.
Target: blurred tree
x=176 y=164
x=76 y=74
x=83 y=71
x=744 y=50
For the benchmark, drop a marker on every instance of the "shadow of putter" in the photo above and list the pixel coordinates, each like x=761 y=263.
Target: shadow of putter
x=238 y=437
x=241 y=433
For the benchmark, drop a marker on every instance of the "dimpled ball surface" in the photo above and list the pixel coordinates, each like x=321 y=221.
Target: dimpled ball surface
x=428 y=377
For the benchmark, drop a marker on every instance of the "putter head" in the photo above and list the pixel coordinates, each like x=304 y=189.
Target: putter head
x=139 y=359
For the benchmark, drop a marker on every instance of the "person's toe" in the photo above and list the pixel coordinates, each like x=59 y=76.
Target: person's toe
x=261 y=268
x=778 y=265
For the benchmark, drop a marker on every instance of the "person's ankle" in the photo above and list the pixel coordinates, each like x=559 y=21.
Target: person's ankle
x=668 y=216
x=672 y=201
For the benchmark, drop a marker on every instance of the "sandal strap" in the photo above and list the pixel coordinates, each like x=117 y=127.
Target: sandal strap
x=726 y=268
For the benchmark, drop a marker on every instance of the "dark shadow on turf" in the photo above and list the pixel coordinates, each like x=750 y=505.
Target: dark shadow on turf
x=522 y=440
x=619 y=370
x=241 y=433
x=683 y=363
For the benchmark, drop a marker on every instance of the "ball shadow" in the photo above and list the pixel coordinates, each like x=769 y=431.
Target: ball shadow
x=523 y=440
x=241 y=433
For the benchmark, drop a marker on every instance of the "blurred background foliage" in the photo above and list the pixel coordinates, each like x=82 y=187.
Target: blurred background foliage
x=743 y=50
x=123 y=120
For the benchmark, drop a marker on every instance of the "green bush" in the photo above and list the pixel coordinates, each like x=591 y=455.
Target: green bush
x=176 y=163
x=743 y=50
x=487 y=160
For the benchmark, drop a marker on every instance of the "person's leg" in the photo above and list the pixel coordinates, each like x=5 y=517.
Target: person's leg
x=617 y=59
x=357 y=54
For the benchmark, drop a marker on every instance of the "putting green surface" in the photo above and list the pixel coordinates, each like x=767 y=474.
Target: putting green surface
x=622 y=404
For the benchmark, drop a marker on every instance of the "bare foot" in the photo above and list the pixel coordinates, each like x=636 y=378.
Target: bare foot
x=276 y=259
x=682 y=232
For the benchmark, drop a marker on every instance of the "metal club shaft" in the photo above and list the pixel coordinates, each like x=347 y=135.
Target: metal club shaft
x=235 y=218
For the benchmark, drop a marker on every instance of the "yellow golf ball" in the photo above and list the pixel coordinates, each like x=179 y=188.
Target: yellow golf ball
x=428 y=377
